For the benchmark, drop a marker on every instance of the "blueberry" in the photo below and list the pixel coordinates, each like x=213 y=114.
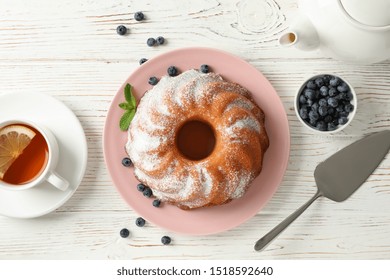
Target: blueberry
x=126 y=162
x=302 y=99
x=332 y=92
x=313 y=122
x=319 y=82
x=166 y=240
x=142 y=61
x=348 y=108
x=328 y=119
x=331 y=111
x=315 y=107
x=160 y=40
x=314 y=115
x=172 y=71
x=334 y=82
x=349 y=96
x=323 y=111
x=151 y=42
x=310 y=94
x=323 y=102
x=303 y=113
x=204 y=68
x=343 y=114
x=342 y=96
x=147 y=192
x=331 y=126
x=333 y=102
x=140 y=222
x=124 y=233
x=121 y=30
x=343 y=87
x=324 y=90
x=321 y=125
x=156 y=203
x=343 y=120
x=311 y=84
x=141 y=187
x=138 y=16
x=310 y=102
x=153 y=81
x=339 y=108
x=326 y=79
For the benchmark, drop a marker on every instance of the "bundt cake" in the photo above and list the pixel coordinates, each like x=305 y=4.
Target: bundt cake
x=197 y=140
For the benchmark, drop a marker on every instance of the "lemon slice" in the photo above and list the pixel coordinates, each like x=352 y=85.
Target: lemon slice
x=13 y=140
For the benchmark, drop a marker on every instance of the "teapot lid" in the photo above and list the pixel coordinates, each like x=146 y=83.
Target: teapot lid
x=374 y=13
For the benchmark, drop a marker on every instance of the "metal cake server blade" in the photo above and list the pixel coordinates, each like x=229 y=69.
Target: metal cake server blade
x=339 y=176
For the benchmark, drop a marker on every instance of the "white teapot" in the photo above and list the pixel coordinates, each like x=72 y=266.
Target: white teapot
x=350 y=30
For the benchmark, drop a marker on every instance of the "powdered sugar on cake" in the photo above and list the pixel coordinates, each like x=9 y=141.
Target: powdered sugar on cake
x=239 y=129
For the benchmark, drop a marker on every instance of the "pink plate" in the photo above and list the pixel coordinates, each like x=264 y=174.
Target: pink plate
x=214 y=219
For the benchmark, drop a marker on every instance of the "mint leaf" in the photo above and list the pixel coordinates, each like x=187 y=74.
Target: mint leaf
x=129 y=95
x=125 y=120
x=126 y=106
x=129 y=106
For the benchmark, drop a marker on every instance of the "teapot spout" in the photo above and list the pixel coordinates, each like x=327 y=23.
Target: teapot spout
x=302 y=35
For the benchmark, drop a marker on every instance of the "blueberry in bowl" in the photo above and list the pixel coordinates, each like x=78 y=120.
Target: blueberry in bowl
x=325 y=103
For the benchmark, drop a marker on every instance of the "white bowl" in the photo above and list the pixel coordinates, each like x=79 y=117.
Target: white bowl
x=340 y=127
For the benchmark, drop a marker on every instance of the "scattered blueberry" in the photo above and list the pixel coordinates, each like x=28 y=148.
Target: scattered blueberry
x=140 y=222
x=156 y=203
x=147 y=192
x=142 y=61
x=172 y=71
x=141 y=187
x=121 y=30
x=126 y=162
x=204 y=68
x=138 y=16
x=160 y=40
x=151 y=42
x=325 y=103
x=153 y=81
x=124 y=233
x=166 y=240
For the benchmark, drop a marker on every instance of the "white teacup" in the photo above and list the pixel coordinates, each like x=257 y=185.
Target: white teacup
x=47 y=172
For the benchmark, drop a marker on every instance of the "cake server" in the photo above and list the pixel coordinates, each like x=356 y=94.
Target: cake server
x=339 y=176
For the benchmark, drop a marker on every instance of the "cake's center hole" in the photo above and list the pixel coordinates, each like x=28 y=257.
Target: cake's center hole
x=195 y=140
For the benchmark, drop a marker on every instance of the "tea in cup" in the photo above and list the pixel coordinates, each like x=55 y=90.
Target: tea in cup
x=28 y=156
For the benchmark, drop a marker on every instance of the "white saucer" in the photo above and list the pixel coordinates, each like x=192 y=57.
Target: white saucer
x=55 y=115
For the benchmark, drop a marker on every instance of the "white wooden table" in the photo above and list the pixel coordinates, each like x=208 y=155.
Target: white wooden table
x=69 y=49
